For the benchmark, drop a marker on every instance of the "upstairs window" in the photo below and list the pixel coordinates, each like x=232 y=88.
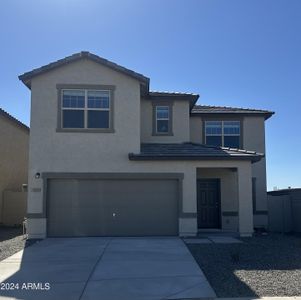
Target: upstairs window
x=85 y=109
x=73 y=109
x=98 y=109
x=223 y=133
x=162 y=120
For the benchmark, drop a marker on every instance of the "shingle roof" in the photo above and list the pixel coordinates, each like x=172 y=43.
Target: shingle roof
x=208 y=109
x=192 y=151
x=26 y=77
x=11 y=118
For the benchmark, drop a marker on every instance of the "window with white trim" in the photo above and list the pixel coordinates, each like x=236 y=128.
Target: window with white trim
x=85 y=109
x=162 y=119
x=222 y=133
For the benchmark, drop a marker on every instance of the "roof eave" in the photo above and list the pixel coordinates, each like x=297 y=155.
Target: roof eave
x=26 y=82
x=269 y=114
x=144 y=157
x=266 y=115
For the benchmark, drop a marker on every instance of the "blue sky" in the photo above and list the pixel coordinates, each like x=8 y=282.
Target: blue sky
x=234 y=52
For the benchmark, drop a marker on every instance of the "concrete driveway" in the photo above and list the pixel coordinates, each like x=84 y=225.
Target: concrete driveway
x=104 y=268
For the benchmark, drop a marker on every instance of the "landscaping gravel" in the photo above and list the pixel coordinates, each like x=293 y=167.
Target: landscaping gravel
x=12 y=241
x=260 y=266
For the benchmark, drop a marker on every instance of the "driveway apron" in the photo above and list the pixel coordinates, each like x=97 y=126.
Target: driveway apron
x=104 y=268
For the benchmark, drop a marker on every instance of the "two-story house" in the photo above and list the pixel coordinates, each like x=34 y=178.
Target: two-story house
x=109 y=157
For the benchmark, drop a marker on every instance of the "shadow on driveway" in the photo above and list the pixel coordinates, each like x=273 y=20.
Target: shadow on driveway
x=12 y=241
x=7 y=233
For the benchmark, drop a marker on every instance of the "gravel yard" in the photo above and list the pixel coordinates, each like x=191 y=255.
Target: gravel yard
x=12 y=241
x=260 y=266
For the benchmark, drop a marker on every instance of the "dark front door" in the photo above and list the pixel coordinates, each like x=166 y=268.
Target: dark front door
x=208 y=202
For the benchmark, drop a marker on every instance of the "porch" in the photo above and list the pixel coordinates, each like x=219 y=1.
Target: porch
x=217 y=200
x=222 y=193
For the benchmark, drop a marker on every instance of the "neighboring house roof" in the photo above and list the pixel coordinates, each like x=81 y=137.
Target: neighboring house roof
x=192 y=151
x=208 y=109
x=160 y=95
x=285 y=191
x=13 y=119
x=26 y=77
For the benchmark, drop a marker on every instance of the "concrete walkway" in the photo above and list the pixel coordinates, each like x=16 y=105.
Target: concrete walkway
x=216 y=239
x=104 y=268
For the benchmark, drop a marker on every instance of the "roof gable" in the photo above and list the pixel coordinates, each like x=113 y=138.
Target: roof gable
x=26 y=77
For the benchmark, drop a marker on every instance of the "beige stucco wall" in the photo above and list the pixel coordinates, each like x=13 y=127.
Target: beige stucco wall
x=14 y=157
x=196 y=130
x=180 y=123
x=61 y=151
x=254 y=139
x=14 y=207
x=253 y=130
x=52 y=151
x=44 y=114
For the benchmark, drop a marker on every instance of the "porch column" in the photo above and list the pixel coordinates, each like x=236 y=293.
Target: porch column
x=188 y=207
x=245 y=205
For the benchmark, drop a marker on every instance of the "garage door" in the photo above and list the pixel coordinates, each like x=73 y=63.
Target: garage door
x=80 y=207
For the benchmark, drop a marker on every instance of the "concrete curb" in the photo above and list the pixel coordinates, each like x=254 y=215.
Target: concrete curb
x=261 y=298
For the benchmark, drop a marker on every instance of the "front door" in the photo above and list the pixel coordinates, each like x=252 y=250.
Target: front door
x=208 y=203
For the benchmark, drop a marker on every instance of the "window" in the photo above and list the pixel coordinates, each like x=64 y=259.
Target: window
x=85 y=109
x=223 y=133
x=214 y=133
x=162 y=120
